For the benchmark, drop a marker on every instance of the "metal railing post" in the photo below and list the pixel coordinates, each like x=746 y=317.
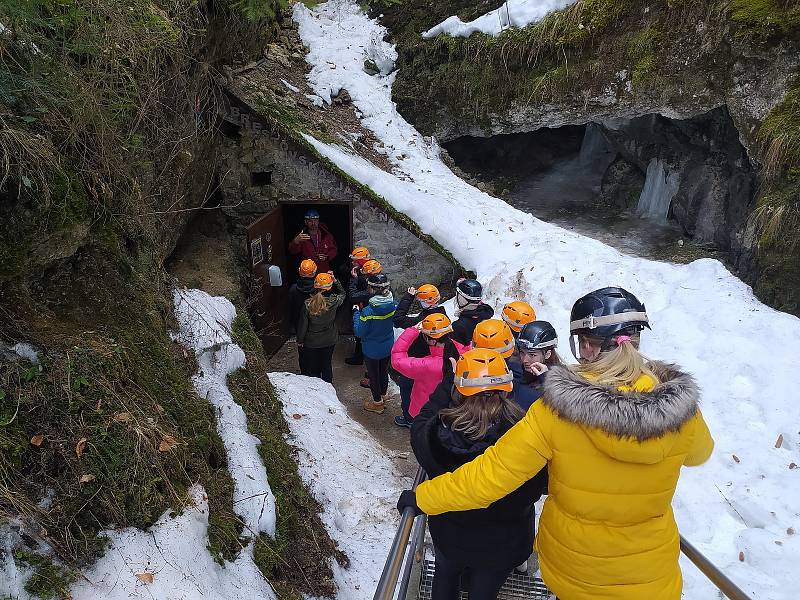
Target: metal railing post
x=707 y=568
x=391 y=570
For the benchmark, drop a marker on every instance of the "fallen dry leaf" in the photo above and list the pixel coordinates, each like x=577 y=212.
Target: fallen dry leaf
x=779 y=441
x=87 y=478
x=122 y=417
x=80 y=447
x=736 y=458
x=167 y=443
x=792 y=465
x=146 y=578
x=741 y=556
x=37 y=440
x=297 y=416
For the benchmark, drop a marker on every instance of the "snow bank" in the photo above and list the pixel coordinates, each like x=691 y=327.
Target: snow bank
x=13 y=576
x=205 y=324
x=743 y=353
x=171 y=560
x=348 y=473
x=514 y=13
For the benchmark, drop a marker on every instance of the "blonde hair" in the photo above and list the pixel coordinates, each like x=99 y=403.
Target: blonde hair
x=621 y=366
x=474 y=415
x=317 y=305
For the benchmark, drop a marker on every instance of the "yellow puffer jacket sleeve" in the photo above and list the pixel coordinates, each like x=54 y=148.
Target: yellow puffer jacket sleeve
x=702 y=445
x=514 y=459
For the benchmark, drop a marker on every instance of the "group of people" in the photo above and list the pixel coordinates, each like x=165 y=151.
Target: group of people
x=605 y=440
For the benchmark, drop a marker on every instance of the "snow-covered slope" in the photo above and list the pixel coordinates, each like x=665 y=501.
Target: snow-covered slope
x=744 y=354
x=349 y=474
x=513 y=13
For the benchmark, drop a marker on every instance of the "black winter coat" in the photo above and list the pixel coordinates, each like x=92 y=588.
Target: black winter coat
x=299 y=292
x=464 y=325
x=358 y=290
x=499 y=536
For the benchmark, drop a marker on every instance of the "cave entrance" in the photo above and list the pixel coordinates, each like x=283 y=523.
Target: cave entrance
x=275 y=269
x=650 y=186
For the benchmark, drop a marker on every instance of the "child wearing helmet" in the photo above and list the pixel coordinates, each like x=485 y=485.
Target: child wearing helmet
x=301 y=290
x=451 y=431
x=536 y=355
x=373 y=324
x=358 y=292
x=615 y=432
x=428 y=297
x=426 y=372
x=316 y=331
x=517 y=314
x=470 y=309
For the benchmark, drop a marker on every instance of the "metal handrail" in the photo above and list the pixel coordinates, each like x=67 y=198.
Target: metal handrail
x=391 y=570
x=717 y=577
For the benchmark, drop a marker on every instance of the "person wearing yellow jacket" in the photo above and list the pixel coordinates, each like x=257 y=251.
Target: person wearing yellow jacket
x=614 y=433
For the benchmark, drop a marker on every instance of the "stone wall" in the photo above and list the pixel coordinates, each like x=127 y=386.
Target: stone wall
x=297 y=177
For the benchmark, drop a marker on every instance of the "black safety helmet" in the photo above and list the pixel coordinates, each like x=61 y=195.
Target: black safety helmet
x=608 y=311
x=378 y=281
x=470 y=289
x=537 y=335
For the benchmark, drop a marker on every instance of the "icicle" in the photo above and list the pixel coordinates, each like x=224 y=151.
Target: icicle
x=595 y=148
x=660 y=187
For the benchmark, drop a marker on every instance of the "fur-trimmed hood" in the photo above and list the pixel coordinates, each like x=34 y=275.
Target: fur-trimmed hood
x=627 y=420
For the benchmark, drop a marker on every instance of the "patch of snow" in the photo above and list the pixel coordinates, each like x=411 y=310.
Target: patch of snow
x=13 y=576
x=316 y=100
x=349 y=473
x=513 y=13
x=743 y=353
x=26 y=352
x=290 y=87
x=174 y=552
x=204 y=327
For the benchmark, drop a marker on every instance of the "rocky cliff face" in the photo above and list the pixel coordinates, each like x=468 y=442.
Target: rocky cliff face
x=693 y=84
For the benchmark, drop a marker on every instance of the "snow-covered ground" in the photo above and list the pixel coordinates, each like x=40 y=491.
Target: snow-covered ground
x=171 y=560
x=349 y=473
x=741 y=508
x=513 y=13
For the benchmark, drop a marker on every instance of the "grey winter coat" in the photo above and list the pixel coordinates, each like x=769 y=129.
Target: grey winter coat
x=320 y=331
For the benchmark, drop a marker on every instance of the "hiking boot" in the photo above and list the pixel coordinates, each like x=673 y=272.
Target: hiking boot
x=364 y=382
x=354 y=360
x=375 y=407
x=401 y=421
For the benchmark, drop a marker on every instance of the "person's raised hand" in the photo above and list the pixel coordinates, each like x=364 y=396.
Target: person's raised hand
x=412 y=291
x=537 y=368
x=408 y=499
x=322 y=257
x=301 y=237
x=354 y=272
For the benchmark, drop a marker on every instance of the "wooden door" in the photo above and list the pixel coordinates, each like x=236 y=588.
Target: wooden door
x=266 y=248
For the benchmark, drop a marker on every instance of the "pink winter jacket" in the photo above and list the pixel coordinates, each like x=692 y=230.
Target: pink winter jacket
x=426 y=372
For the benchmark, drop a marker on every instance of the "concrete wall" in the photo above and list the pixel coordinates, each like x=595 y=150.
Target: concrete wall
x=298 y=177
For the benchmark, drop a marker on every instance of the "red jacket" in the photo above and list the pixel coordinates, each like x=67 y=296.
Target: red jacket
x=307 y=249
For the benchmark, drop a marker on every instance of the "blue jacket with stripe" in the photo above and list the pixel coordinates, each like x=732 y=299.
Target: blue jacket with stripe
x=374 y=325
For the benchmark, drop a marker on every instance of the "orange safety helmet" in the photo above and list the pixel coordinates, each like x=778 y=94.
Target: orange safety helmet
x=436 y=325
x=429 y=294
x=493 y=334
x=480 y=370
x=360 y=254
x=371 y=267
x=323 y=282
x=518 y=314
x=308 y=268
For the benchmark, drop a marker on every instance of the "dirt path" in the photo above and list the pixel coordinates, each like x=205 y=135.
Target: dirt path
x=346 y=381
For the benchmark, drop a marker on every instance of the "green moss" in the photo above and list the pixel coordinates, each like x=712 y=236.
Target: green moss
x=48 y=580
x=765 y=20
x=297 y=560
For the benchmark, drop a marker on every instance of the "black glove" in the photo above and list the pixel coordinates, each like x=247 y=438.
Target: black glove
x=408 y=499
